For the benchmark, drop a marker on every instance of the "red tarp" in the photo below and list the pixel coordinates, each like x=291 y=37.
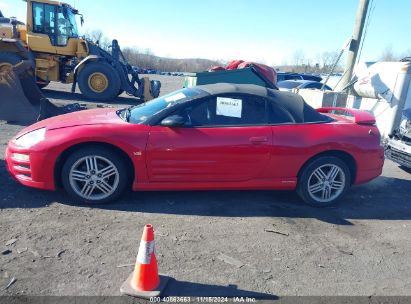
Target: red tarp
x=265 y=70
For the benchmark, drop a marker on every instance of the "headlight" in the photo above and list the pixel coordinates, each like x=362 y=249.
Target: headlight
x=405 y=128
x=32 y=138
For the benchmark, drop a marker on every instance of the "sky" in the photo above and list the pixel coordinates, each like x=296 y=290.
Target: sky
x=266 y=31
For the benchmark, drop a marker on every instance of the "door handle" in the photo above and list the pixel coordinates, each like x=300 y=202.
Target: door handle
x=258 y=139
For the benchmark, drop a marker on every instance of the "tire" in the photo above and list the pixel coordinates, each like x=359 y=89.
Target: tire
x=85 y=183
x=99 y=81
x=8 y=59
x=316 y=185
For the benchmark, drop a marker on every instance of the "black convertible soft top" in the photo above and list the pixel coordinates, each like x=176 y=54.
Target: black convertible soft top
x=293 y=103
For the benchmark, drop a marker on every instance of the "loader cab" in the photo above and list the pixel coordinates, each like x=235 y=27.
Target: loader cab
x=56 y=21
x=52 y=28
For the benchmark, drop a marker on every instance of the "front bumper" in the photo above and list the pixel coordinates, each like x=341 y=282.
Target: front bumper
x=399 y=152
x=37 y=173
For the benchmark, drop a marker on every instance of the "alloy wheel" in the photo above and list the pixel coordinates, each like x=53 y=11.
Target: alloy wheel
x=326 y=183
x=94 y=177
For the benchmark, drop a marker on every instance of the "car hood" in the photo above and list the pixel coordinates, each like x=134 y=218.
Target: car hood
x=81 y=118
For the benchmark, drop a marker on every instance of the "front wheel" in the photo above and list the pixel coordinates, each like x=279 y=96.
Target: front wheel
x=99 y=81
x=94 y=175
x=323 y=181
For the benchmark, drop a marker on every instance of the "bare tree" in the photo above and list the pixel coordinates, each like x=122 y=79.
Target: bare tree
x=321 y=62
x=327 y=60
x=98 y=37
x=407 y=53
x=145 y=59
x=298 y=57
x=388 y=54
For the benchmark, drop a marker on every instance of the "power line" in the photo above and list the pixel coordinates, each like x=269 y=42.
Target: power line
x=352 y=55
x=371 y=10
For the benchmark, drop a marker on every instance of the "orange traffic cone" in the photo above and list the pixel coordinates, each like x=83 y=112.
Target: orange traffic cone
x=145 y=281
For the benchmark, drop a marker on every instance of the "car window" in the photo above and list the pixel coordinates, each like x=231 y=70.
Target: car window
x=288 y=84
x=278 y=115
x=312 y=86
x=44 y=20
x=200 y=113
x=280 y=77
x=225 y=110
x=317 y=85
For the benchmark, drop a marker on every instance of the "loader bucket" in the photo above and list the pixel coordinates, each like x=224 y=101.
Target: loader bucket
x=19 y=95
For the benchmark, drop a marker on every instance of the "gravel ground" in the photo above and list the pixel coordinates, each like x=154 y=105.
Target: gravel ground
x=212 y=243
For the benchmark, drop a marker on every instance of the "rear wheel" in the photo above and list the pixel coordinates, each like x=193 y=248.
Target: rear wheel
x=7 y=60
x=94 y=175
x=323 y=181
x=99 y=81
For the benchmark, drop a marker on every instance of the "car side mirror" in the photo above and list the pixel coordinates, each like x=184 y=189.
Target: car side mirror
x=173 y=121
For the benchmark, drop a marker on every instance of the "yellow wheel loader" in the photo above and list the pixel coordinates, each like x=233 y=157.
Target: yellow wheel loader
x=50 y=40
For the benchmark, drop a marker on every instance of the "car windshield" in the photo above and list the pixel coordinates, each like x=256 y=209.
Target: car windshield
x=139 y=114
x=288 y=84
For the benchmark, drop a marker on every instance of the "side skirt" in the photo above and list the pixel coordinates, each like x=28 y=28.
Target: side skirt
x=272 y=184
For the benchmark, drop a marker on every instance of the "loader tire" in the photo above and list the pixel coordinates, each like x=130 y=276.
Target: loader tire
x=7 y=60
x=99 y=81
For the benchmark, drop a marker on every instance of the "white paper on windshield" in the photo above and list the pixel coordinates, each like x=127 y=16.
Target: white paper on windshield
x=229 y=107
x=175 y=97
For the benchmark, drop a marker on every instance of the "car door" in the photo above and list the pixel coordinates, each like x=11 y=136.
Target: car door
x=225 y=138
x=288 y=142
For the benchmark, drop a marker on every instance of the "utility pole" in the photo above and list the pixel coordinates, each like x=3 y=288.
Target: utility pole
x=355 y=44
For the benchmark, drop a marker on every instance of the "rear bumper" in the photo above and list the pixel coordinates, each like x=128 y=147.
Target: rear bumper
x=366 y=176
x=36 y=173
x=369 y=166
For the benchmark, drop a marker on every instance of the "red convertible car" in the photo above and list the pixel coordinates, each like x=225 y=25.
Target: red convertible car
x=211 y=137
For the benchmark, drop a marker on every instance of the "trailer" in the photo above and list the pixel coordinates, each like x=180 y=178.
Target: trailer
x=383 y=88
